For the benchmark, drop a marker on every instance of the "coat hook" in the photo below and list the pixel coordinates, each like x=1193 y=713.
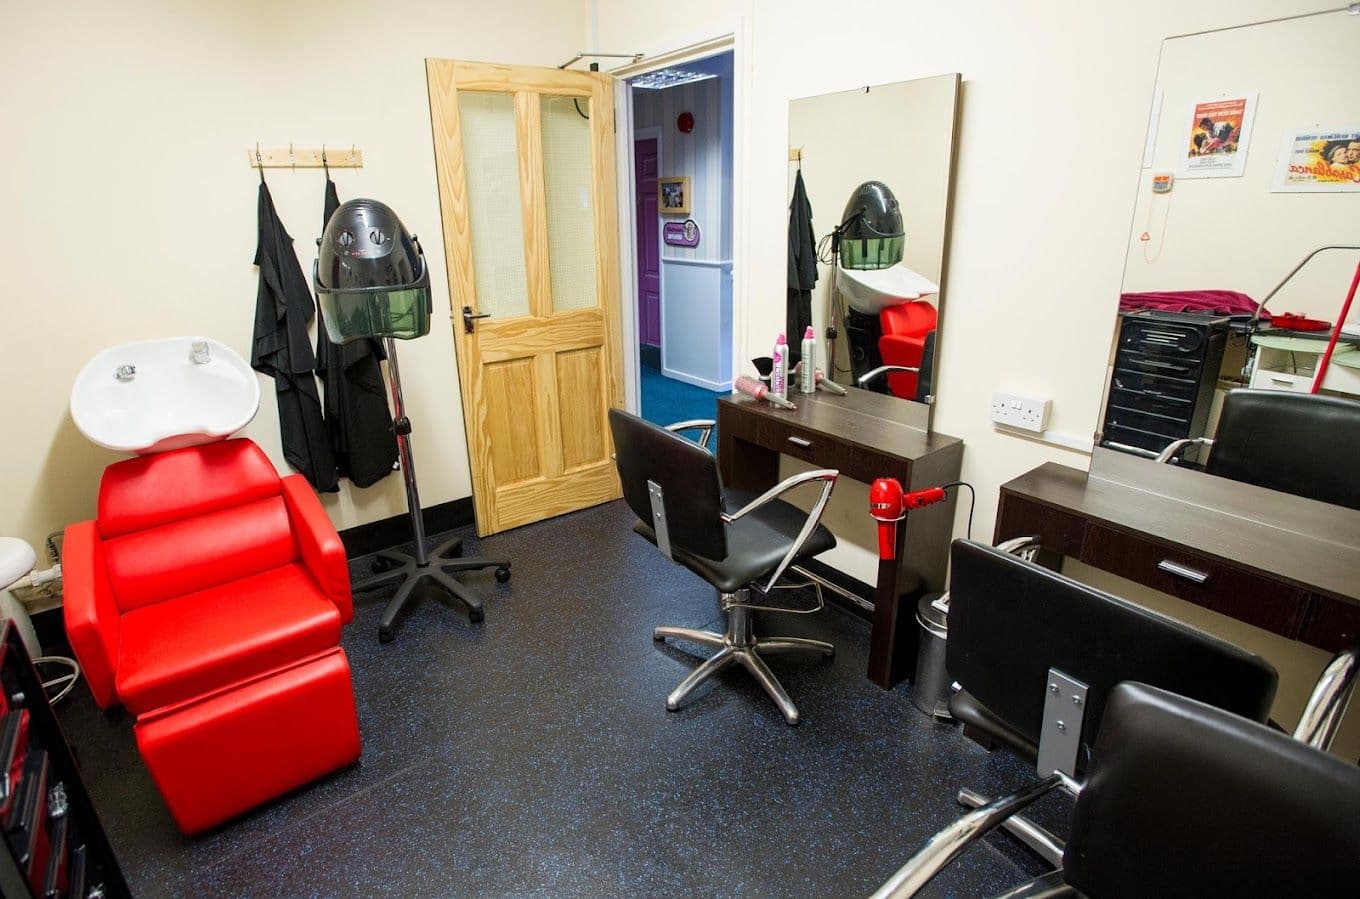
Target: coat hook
x=291 y=160
x=259 y=163
x=325 y=166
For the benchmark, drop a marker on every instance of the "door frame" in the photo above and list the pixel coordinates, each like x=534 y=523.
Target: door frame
x=651 y=132
x=736 y=40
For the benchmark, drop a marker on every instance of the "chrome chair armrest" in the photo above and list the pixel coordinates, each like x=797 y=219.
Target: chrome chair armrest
x=949 y=843
x=1327 y=703
x=1175 y=448
x=704 y=426
x=883 y=370
x=1024 y=547
x=828 y=478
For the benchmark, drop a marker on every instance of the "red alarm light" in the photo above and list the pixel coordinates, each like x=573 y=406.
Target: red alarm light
x=685 y=122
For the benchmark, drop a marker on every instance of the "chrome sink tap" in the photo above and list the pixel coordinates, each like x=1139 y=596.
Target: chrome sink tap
x=199 y=352
x=125 y=372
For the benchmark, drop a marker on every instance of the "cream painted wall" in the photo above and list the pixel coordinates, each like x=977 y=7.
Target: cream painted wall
x=900 y=134
x=1233 y=233
x=1037 y=250
x=126 y=182
x=1039 y=230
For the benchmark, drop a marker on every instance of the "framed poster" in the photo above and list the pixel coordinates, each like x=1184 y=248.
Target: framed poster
x=672 y=195
x=1319 y=161
x=1216 y=137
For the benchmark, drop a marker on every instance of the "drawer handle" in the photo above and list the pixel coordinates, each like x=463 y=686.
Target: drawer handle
x=1183 y=571
x=1281 y=380
x=799 y=441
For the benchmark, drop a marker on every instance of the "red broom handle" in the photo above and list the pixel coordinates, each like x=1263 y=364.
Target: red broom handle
x=1336 y=333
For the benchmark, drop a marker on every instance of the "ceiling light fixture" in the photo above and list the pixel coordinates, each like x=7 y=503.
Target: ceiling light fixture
x=664 y=78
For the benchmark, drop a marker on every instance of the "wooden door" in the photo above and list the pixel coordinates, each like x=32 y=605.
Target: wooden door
x=525 y=159
x=648 y=243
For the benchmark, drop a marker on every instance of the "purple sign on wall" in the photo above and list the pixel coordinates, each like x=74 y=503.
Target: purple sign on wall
x=681 y=234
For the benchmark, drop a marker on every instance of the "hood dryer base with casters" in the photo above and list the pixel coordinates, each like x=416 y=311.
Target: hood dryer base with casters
x=436 y=568
x=372 y=282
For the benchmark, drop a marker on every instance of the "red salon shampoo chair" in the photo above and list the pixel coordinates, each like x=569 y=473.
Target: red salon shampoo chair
x=207 y=599
x=905 y=330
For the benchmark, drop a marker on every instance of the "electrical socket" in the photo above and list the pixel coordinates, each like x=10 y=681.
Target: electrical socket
x=1024 y=412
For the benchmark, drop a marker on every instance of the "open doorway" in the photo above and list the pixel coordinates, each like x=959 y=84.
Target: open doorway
x=682 y=159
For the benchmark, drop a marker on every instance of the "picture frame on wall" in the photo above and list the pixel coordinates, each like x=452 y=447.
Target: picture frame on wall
x=672 y=195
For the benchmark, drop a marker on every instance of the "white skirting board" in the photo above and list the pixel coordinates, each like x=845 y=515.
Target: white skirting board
x=719 y=386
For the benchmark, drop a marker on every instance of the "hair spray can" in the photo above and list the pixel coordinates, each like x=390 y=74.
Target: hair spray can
x=779 y=374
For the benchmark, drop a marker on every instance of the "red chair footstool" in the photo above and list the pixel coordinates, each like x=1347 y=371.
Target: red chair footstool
x=207 y=598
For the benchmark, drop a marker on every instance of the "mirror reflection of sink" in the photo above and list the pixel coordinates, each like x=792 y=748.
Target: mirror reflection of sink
x=872 y=290
x=155 y=395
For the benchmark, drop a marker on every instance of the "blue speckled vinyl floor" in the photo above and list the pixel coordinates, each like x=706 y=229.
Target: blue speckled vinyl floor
x=532 y=755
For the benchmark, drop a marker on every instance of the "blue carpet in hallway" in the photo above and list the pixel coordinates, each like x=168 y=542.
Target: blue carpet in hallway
x=666 y=400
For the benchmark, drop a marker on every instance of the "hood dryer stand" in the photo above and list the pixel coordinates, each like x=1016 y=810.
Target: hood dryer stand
x=437 y=567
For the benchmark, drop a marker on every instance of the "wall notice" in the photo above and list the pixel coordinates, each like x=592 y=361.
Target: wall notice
x=1319 y=161
x=1217 y=137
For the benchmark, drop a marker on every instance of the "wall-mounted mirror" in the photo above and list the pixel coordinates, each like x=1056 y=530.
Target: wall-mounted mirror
x=870 y=172
x=1251 y=169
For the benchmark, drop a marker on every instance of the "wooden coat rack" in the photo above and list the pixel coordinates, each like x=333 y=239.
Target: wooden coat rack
x=305 y=158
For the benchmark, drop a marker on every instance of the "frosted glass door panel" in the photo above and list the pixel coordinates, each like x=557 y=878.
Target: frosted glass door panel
x=491 y=166
x=568 y=186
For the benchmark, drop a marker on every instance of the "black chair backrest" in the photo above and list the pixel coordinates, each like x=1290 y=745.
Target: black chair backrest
x=1183 y=799
x=1010 y=621
x=925 y=377
x=687 y=474
x=1298 y=443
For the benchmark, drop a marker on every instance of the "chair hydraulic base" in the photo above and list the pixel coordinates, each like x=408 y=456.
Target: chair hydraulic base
x=739 y=644
x=438 y=571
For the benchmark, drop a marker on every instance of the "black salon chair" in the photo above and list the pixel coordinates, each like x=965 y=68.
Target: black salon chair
x=1036 y=654
x=1184 y=799
x=925 y=372
x=1298 y=443
x=734 y=540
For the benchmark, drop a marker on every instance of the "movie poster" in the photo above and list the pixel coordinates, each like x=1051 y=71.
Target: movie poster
x=1216 y=140
x=1319 y=160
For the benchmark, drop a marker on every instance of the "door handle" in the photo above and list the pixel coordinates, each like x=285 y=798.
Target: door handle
x=469 y=317
x=1183 y=571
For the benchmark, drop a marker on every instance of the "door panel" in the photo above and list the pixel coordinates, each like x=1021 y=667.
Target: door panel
x=648 y=249
x=526 y=187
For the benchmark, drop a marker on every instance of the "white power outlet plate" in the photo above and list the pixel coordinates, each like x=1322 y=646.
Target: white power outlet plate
x=1024 y=412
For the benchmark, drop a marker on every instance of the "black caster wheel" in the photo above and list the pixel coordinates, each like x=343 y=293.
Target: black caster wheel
x=503 y=573
x=379 y=565
x=384 y=635
x=475 y=615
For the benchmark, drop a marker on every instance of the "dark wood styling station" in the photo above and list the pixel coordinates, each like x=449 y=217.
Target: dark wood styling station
x=864 y=435
x=1286 y=564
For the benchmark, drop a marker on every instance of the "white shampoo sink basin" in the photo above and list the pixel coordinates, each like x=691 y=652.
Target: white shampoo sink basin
x=157 y=395
x=872 y=290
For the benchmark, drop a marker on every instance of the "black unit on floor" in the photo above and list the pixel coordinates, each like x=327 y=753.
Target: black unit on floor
x=1163 y=381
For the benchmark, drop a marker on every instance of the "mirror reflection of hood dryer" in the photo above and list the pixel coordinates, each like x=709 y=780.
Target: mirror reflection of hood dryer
x=888 y=321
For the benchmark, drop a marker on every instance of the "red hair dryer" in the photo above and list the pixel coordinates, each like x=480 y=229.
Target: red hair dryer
x=888 y=504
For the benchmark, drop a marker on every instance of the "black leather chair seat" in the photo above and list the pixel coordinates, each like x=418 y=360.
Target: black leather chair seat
x=756 y=543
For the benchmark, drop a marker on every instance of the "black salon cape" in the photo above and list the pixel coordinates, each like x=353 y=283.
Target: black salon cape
x=357 y=417
x=282 y=349
x=802 y=264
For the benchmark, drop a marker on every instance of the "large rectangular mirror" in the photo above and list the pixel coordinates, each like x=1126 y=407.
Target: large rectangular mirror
x=1244 y=244
x=870 y=173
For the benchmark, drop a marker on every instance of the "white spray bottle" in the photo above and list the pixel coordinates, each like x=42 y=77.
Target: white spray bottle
x=807 y=366
x=779 y=373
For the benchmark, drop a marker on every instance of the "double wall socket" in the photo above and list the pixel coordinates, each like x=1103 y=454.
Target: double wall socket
x=1024 y=412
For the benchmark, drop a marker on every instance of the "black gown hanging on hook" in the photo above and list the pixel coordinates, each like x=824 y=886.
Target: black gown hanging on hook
x=358 y=420
x=282 y=349
x=802 y=264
